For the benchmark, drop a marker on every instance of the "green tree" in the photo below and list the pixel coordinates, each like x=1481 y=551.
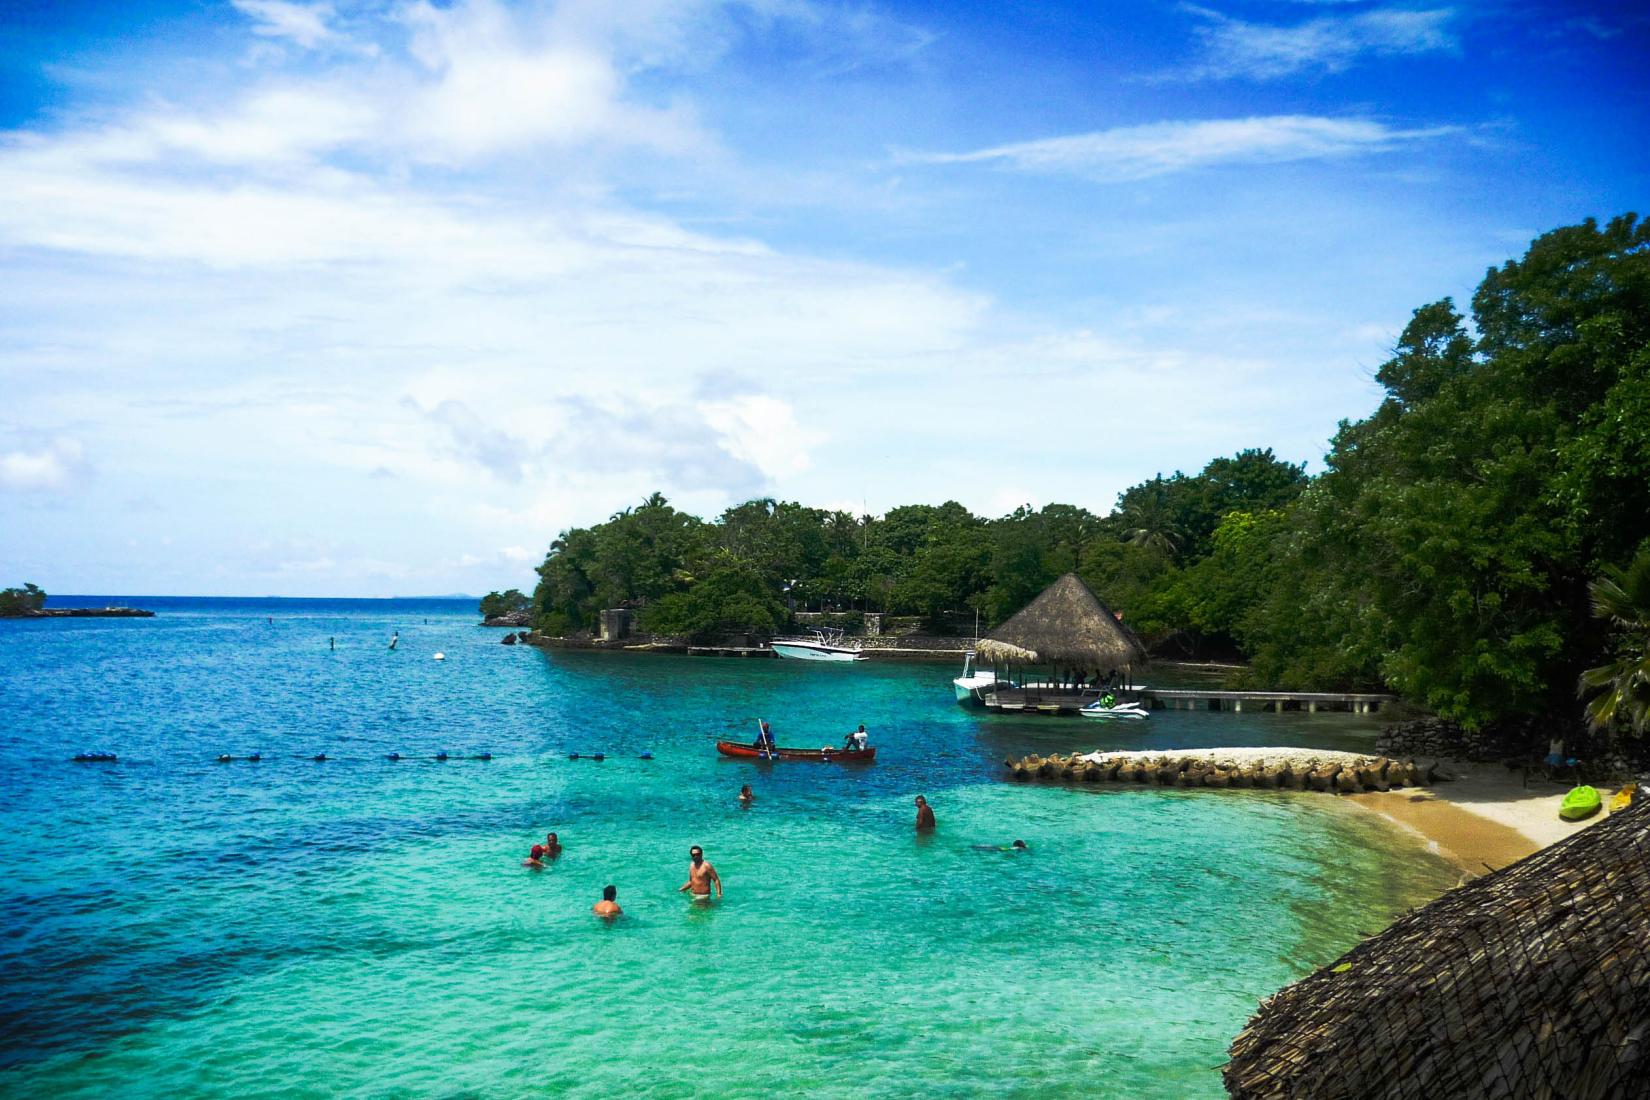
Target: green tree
x=1620 y=688
x=507 y=602
x=28 y=598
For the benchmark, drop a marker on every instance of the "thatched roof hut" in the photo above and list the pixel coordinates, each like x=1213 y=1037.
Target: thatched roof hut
x=1065 y=627
x=1533 y=981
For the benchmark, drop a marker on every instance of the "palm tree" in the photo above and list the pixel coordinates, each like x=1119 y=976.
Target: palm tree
x=1150 y=520
x=1622 y=687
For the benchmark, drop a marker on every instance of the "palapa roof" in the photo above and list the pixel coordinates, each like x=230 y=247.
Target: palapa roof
x=1068 y=627
x=1533 y=981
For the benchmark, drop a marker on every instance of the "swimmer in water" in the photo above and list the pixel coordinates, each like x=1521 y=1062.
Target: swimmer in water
x=925 y=815
x=607 y=908
x=701 y=876
x=552 y=846
x=1017 y=846
x=746 y=795
x=535 y=858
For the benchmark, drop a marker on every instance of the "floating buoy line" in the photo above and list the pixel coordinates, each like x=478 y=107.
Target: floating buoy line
x=320 y=758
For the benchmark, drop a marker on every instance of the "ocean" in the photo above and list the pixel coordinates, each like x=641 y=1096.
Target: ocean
x=362 y=926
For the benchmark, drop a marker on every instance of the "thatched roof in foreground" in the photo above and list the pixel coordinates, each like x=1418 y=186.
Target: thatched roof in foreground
x=1533 y=981
x=1067 y=627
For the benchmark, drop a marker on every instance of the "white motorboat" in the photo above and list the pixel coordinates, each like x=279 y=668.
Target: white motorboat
x=974 y=684
x=820 y=645
x=1114 y=711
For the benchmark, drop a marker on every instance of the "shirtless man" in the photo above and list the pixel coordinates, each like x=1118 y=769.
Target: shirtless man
x=552 y=846
x=701 y=876
x=607 y=907
x=746 y=795
x=925 y=815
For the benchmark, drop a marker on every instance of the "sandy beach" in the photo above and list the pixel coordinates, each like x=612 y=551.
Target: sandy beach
x=1482 y=820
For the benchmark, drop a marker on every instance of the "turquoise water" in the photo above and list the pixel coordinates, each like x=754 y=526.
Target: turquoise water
x=176 y=926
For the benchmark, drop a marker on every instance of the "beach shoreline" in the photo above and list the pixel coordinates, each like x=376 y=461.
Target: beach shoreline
x=1481 y=820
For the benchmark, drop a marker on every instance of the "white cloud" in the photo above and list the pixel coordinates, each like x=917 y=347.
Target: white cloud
x=305 y=24
x=1159 y=149
x=1330 y=43
x=764 y=432
x=492 y=83
x=57 y=466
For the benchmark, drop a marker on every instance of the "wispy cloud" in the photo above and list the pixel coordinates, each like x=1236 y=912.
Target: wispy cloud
x=1231 y=47
x=305 y=24
x=1159 y=149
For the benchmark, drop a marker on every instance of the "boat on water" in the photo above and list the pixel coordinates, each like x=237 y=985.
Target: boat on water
x=819 y=645
x=974 y=684
x=828 y=754
x=1130 y=711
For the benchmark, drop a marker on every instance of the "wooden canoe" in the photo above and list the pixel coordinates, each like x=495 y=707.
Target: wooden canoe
x=827 y=755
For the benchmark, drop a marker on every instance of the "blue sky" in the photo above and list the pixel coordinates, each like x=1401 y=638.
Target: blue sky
x=371 y=298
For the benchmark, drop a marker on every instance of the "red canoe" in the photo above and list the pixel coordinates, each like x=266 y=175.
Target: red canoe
x=825 y=755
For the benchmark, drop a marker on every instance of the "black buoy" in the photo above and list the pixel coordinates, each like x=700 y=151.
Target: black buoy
x=95 y=758
x=224 y=758
x=599 y=756
x=254 y=758
x=645 y=756
x=441 y=756
x=392 y=756
x=483 y=756
x=319 y=757
x=572 y=756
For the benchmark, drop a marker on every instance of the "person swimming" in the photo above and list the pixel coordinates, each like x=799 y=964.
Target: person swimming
x=1017 y=846
x=607 y=908
x=535 y=858
x=746 y=795
x=552 y=846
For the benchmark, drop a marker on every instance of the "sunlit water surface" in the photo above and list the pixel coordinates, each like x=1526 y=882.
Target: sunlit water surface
x=174 y=926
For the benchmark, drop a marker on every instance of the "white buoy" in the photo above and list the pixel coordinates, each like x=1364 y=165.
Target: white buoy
x=441 y=656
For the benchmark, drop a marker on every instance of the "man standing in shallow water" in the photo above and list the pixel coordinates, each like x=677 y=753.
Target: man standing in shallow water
x=925 y=815
x=701 y=876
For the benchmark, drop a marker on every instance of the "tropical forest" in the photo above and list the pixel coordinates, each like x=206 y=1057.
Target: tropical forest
x=1479 y=544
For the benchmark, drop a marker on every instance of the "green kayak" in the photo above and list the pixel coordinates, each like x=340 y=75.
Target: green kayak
x=1579 y=803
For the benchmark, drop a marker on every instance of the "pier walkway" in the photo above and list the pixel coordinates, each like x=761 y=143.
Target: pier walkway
x=1199 y=699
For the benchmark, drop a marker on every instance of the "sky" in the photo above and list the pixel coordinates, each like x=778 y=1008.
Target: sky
x=374 y=298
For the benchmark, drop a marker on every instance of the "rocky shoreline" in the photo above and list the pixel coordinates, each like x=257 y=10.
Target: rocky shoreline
x=80 y=613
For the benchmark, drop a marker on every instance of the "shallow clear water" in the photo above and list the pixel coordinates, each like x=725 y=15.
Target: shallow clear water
x=174 y=926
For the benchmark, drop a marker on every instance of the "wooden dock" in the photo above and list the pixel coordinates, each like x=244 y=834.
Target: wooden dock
x=1310 y=701
x=1068 y=702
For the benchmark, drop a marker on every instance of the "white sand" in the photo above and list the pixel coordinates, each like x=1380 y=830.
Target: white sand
x=1486 y=816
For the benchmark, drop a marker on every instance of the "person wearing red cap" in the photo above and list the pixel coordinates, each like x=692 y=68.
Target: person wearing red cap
x=535 y=858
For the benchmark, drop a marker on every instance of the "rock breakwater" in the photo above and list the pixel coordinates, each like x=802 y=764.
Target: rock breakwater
x=1261 y=769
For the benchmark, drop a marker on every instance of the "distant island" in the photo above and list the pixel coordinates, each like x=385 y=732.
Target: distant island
x=29 y=602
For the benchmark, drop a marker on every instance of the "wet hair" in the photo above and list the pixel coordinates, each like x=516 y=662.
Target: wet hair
x=696 y=848
x=1018 y=844
x=549 y=836
x=609 y=893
